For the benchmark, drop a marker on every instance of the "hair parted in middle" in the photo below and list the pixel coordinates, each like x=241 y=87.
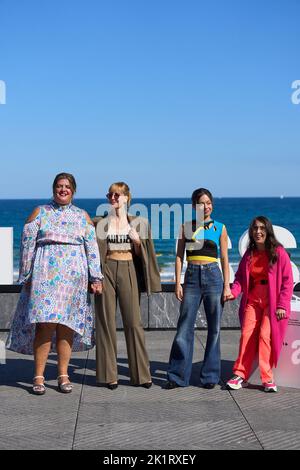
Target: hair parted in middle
x=65 y=176
x=271 y=242
x=201 y=192
x=123 y=187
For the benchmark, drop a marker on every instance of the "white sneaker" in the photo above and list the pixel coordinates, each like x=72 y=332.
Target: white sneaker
x=236 y=382
x=270 y=387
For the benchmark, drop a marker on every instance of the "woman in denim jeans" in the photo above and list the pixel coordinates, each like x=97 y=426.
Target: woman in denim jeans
x=202 y=239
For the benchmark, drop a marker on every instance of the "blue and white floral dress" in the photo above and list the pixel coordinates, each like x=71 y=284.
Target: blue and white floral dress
x=59 y=256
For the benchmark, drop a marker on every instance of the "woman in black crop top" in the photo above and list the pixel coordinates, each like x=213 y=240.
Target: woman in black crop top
x=129 y=266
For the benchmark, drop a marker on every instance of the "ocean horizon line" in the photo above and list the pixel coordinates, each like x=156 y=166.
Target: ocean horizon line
x=153 y=198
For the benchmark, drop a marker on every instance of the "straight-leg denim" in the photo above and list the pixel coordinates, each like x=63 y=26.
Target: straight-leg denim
x=202 y=282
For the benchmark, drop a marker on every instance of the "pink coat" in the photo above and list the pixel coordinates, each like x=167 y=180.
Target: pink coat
x=280 y=282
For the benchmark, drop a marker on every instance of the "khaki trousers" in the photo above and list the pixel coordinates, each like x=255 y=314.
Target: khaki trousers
x=120 y=283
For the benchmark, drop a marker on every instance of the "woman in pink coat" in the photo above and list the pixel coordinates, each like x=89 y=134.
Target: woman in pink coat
x=265 y=279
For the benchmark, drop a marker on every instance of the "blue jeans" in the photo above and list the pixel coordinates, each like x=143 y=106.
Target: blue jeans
x=202 y=282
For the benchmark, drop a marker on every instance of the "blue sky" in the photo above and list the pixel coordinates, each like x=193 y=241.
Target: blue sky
x=167 y=95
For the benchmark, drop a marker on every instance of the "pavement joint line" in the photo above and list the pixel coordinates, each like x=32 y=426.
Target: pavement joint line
x=80 y=399
x=242 y=413
x=93 y=418
x=200 y=340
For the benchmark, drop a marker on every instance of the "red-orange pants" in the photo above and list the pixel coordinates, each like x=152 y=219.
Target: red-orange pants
x=256 y=336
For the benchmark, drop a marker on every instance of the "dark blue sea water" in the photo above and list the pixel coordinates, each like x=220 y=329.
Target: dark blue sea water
x=236 y=213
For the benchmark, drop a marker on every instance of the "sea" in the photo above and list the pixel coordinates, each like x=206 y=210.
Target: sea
x=235 y=213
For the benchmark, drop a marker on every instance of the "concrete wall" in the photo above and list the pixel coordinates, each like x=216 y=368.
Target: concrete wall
x=158 y=311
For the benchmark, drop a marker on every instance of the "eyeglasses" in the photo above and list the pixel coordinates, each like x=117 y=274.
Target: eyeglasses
x=262 y=228
x=111 y=195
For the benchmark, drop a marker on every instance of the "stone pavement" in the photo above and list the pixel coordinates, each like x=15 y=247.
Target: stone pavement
x=133 y=418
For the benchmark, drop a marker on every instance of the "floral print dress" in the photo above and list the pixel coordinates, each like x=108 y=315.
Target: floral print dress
x=59 y=256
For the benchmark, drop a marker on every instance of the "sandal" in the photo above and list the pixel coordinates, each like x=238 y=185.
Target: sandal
x=38 y=389
x=64 y=387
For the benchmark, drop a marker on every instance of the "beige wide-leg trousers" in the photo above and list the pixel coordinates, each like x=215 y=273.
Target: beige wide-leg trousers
x=120 y=283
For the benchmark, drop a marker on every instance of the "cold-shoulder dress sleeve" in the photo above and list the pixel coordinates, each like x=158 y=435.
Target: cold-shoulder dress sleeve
x=28 y=248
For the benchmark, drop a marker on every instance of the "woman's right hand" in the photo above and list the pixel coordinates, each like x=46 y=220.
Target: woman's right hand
x=229 y=297
x=97 y=288
x=179 y=292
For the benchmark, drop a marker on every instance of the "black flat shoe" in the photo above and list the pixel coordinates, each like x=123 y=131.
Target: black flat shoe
x=112 y=386
x=209 y=386
x=170 y=385
x=146 y=385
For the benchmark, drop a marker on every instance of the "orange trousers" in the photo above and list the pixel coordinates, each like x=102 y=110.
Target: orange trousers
x=256 y=336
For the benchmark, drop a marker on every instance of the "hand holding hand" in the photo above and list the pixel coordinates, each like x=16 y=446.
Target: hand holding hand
x=227 y=295
x=179 y=292
x=97 y=288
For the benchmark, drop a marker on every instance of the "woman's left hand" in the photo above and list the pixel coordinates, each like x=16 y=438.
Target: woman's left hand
x=280 y=314
x=227 y=295
x=134 y=236
x=97 y=288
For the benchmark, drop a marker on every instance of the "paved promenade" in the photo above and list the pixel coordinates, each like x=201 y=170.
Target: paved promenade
x=134 y=418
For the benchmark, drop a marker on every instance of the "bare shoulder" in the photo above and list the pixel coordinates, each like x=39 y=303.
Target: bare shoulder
x=88 y=219
x=99 y=219
x=35 y=213
x=224 y=232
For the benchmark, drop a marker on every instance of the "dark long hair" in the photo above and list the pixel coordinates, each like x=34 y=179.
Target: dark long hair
x=271 y=242
x=200 y=192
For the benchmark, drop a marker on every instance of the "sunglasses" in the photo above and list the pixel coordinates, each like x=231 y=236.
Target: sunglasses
x=115 y=195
